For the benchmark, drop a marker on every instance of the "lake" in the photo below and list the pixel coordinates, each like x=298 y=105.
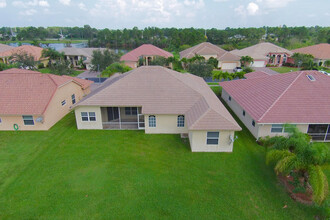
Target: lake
x=56 y=46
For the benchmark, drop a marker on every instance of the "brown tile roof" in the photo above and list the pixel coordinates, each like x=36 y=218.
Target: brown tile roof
x=4 y=47
x=159 y=90
x=282 y=98
x=29 y=92
x=87 y=52
x=144 y=50
x=320 y=51
x=207 y=48
x=261 y=50
x=256 y=74
x=34 y=51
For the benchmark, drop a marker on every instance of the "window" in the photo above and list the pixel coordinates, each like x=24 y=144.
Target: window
x=152 y=121
x=73 y=98
x=130 y=110
x=212 y=138
x=0 y=121
x=310 y=77
x=243 y=112
x=88 y=116
x=63 y=102
x=277 y=128
x=253 y=123
x=28 y=120
x=181 y=121
x=229 y=98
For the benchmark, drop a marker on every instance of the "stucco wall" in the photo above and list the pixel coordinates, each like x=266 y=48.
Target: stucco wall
x=88 y=124
x=165 y=124
x=7 y=123
x=198 y=142
x=131 y=64
x=234 y=63
x=265 y=130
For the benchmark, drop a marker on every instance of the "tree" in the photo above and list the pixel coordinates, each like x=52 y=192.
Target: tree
x=213 y=61
x=327 y=63
x=200 y=68
x=301 y=59
x=4 y=66
x=23 y=60
x=52 y=54
x=246 y=60
x=295 y=155
x=61 y=67
x=101 y=60
x=159 y=61
x=115 y=68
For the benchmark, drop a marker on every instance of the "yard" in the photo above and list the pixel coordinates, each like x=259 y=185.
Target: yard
x=67 y=173
x=285 y=69
x=47 y=70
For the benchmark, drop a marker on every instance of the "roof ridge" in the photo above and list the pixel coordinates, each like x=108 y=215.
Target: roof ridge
x=278 y=98
x=200 y=117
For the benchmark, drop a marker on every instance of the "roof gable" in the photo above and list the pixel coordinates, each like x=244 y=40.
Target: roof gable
x=34 y=51
x=143 y=50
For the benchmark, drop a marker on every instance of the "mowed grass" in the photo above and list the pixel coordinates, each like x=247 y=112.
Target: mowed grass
x=285 y=69
x=67 y=173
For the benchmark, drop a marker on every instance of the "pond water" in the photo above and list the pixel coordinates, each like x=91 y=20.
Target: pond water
x=56 y=46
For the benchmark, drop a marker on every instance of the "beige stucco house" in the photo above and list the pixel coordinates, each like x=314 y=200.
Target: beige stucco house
x=160 y=101
x=320 y=52
x=32 y=100
x=226 y=60
x=266 y=103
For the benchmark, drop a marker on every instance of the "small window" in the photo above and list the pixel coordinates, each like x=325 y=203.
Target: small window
x=84 y=116
x=229 y=98
x=253 y=123
x=277 y=128
x=63 y=102
x=180 y=121
x=212 y=138
x=243 y=112
x=88 y=116
x=73 y=98
x=310 y=77
x=28 y=120
x=152 y=121
x=92 y=116
x=130 y=110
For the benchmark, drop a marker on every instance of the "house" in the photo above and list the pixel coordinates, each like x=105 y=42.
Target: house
x=265 y=103
x=32 y=100
x=5 y=47
x=227 y=60
x=146 y=53
x=256 y=74
x=74 y=55
x=35 y=52
x=320 y=52
x=265 y=53
x=160 y=101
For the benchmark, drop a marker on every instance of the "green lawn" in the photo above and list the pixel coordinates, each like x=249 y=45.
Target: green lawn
x=67 y=173
x=47 y=70
x=284 y=69
x=213 y=83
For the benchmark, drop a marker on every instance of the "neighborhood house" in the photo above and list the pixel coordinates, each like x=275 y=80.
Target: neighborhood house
x=32 y=100
x=320 y=52
x=162 y=101
x=266 y=103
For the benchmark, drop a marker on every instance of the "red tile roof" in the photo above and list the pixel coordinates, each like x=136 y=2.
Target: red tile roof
x=320 y=51
x=256 y=74
x=144 y=50
x=34 y=51
x=281 y=98
x=29 y=92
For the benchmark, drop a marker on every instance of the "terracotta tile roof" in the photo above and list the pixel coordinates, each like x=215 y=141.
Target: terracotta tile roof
x=29 y=92
x=73 y=51
x=4 y=47
x=143 y=50
x=261 y=50
x=256 y=74
x=281 y=98
x=29 y=49
x=207 y=48
x=159 y=90
x=320 y=51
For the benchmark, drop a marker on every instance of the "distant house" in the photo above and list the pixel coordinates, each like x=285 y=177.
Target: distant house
x=321 y=52
x=32 y=100
x=146 y=53
x=160 y=101
x=265 y=103
x=35 y=52
x=265 y=53
x=74 y=55
x=5 y=47
x=227 y=60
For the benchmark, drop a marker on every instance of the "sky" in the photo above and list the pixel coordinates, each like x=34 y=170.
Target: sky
x=119 y=14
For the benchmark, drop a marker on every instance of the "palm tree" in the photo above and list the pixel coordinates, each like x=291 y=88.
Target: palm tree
x=296 y=154
x=246 y=60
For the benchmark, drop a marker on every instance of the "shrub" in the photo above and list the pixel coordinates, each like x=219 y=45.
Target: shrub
x=41 y=65
x=248 y=69
x=115 y=68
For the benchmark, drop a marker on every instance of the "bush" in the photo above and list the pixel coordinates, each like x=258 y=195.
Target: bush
x=213 y=61
x=41 y=66
x=248 y=69
x=115 y=68
x=200 y=68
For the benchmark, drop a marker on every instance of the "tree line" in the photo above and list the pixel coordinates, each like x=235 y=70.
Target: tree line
x=174 y=39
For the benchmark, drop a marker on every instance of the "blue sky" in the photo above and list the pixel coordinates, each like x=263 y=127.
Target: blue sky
x=121 y=14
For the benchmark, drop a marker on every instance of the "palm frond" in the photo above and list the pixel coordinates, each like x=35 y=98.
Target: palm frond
x=273 y=156
x=319 y=184
x=286 y=164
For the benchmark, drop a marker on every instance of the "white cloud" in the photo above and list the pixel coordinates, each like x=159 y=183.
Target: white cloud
x=252 y=8
x=3 y=3
x=82 y=6
x=65 y=2
x=28 y=12
x=240 y=10
x=276 y=3
x=44 y=3
x=21 y=4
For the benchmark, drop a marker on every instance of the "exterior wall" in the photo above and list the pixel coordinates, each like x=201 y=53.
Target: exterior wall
x=165 y=124
x=233 y=63
x=247 y=119
x=89 y=124
x=131 y=64
x=208 y=56
x=54 y=112
x=198 y=142
x=265 y=130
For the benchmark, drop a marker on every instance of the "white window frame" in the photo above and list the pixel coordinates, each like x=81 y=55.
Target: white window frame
x=30 y=118
x=277 y=128
x=180 y=121
x=129 y=111
x=73 y=99
x=88 y=116
x=211 y=138
x=63 y=103
x=152 y=121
